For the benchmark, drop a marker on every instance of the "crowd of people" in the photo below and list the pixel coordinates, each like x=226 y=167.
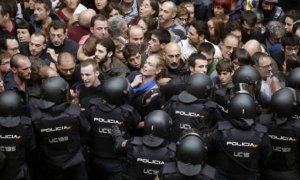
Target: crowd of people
x=149 y=89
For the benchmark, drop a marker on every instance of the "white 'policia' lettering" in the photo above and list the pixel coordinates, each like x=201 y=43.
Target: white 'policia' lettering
x=147 y=161
x=61 y=128
x=189 y=114
x=282 y=138
x=107 y=121
x=242 y=144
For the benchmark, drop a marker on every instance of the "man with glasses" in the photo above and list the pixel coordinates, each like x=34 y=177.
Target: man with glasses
x=263 y=64
x=10 y=44
x=290 y=46
x=228 y=44
x=4 y=63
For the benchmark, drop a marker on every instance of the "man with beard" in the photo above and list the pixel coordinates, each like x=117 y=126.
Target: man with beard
x=108 y=64
x=37 y=47
x=249 y=31
x=270 y=11
x=178 y=71
x=197 y=34
x=167 y=13
x=42 y=15
x=20 y=73
x=58 y=40
x=67 y=69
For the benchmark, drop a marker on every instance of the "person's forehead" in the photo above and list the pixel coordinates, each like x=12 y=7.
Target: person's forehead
x=57 y=31
x=136 y=32
x=12 y=42
x=22 y=30
x=100 y=47
x=100 y=23
x=200 y=61
x=37 y=39
x=230 y=41
x=166 y=6
x=265 y=60
x=87 y=69
x=24 y=61
x=193 y=30
x=172 y=49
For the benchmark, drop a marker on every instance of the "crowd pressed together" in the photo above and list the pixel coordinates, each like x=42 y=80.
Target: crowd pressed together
x=149 y=89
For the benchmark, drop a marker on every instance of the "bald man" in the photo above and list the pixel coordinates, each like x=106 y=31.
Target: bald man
x=172 y=57
x=136 y=36
x=252 y=46
x=67 y=69
x=167 y=13
x=178 y=71
x=82 y=26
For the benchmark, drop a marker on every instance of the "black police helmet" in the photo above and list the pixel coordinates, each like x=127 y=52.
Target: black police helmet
x=116 y=90
x=156 y=128
x=242 y=109
x=54 y=90
x=293 y=79
x=246 y=74
x=191 y=154
x=10 y=104
x=283 y=102
x=199 y=85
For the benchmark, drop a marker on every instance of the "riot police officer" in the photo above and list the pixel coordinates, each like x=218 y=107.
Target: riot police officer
x=245 y=79
x=149 y=153
x=293 y=81
x=191 y=154
x=240 y=145
x=16 y=138
x=191 y=108
x=103 y=113
x=284 y=133
x=60 y=131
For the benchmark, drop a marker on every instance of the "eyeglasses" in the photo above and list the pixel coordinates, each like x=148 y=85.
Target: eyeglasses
x=14 y=49
x=183 y=19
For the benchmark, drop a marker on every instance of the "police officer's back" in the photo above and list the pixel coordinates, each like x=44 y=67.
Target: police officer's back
x=103 y=113
x=191 y=108
x=16 y=138
x=190 y=164
x=240 y=146
x=60 y=130
x=149 y=153
x=284 y=134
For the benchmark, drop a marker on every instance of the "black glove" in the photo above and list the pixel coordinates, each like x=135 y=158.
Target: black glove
x=115 y=131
